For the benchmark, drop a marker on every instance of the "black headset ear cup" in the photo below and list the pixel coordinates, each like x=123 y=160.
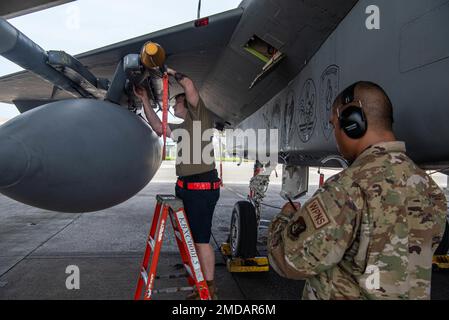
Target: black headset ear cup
x=353 y=122
x=348 y=94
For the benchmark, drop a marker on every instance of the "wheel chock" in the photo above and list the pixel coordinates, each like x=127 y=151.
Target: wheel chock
x=441 y=262
x=238 y=265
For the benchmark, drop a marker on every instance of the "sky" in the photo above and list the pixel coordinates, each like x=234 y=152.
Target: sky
x=84 y=25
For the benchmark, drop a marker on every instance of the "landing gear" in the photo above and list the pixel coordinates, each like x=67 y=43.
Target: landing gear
x=444 y=245
x=243 y=237
x=241 y=249
x=441 y=257
x=443 y=249
x=246 y=216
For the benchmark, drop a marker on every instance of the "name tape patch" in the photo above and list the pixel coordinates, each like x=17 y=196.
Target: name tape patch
x=317 y=214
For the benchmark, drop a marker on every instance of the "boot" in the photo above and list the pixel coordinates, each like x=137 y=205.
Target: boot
x=212 y=291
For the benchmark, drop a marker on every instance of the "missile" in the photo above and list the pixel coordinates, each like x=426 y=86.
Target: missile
x=132 y=70
x=152 y=55
x=77 y=155
x=57 y=67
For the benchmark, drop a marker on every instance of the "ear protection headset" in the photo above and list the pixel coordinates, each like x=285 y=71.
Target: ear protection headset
x=352 y=119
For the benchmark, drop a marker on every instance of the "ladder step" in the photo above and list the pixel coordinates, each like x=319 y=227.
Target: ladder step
x=144 y=276
x=173 y=290
x=151 y=243
x=173 y=276
x=189 y=271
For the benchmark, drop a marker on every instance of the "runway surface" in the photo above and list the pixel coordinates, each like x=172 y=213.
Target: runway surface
x=36 y=247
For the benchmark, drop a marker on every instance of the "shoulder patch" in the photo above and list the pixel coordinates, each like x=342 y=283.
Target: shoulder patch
x=317 y=214
x=296 y=229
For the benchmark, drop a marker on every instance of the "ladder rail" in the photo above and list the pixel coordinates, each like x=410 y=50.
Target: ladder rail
x=148 y=251
x=188 y=247
x=170 y=207
x=181 y=248
x=157 y=249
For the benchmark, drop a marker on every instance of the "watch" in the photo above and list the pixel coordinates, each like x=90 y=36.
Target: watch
x=179 y=76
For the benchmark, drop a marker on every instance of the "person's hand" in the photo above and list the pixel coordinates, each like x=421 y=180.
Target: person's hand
x=171 y=71
x=289 y=211
x=140 y=93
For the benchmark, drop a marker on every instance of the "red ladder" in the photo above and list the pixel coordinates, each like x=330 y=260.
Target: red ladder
x=170 y=206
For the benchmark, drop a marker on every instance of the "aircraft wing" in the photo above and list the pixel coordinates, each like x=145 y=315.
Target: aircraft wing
x=192 y=49
x=239 y=61
x=11 y=9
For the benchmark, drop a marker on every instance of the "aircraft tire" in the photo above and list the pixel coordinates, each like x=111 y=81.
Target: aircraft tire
x=243 y=235
x=444 y=245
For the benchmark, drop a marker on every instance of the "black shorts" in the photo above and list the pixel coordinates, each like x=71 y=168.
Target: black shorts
x=199 y=205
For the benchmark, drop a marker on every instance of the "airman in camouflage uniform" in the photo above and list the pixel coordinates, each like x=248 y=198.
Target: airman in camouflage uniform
x=369 y=233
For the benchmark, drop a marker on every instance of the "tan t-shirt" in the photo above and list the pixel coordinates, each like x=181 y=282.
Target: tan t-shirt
x=192 y=162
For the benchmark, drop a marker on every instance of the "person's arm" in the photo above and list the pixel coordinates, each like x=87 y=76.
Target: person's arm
x=151 y=115
x=316 y=237
x=192 y=95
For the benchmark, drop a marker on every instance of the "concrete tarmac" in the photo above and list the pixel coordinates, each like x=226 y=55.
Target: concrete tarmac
x=37 y=247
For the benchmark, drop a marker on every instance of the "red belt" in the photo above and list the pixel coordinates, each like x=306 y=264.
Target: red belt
x=199 y=185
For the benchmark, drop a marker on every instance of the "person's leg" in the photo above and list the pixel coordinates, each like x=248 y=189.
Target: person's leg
x=200 y=207
x=206 y=255
x=205 y=251
x=207 y=259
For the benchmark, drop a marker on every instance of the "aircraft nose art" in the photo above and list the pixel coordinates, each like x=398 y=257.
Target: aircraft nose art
x=76 y=156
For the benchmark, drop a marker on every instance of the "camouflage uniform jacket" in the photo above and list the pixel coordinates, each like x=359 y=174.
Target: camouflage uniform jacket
x=369 y=233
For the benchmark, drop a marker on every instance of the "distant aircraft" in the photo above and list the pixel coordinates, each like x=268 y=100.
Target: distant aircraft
x=89 y=151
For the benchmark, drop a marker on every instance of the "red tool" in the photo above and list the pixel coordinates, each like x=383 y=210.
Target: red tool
x=170 y=206
x=221 y=158
x=164 y=113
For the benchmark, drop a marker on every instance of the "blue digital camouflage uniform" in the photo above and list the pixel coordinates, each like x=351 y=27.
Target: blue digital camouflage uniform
x=369 y=233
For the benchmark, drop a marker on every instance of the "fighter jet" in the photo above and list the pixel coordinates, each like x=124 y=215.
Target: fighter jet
x=79 y=145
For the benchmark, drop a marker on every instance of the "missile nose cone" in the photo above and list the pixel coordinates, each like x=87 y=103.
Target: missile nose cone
x=14 y=161
x=152 y=55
